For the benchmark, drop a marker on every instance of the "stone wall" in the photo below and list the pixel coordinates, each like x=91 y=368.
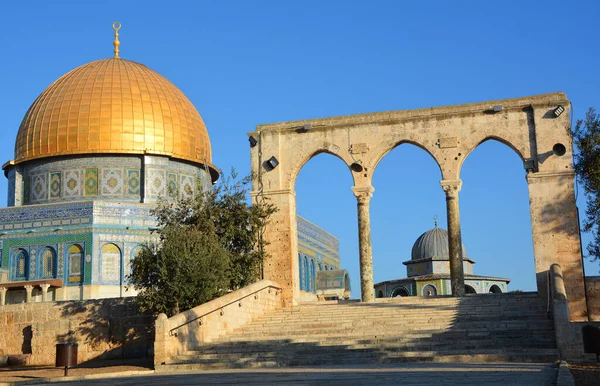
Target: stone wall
x=106 y=328
x=592 y=284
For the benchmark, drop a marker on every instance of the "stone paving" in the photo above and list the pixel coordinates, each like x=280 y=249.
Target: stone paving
x=405 y=374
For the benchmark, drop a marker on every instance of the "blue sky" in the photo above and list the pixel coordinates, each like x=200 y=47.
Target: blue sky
x=244 y=63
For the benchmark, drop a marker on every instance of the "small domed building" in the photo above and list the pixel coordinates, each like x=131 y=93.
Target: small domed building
x=428 y=271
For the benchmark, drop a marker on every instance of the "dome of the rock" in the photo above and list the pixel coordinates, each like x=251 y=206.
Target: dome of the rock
x=113 y=106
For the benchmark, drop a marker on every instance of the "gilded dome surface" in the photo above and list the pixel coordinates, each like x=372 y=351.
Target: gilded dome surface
x=433 y=243
x=113 y=106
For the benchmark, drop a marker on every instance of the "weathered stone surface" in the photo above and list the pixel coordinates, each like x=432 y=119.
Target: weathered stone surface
x=102 y=328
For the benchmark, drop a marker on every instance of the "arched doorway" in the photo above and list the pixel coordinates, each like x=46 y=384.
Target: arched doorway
x=380 y=294
x=494 y=289
x=429 y=290
x=469 y=290
x=399 y=292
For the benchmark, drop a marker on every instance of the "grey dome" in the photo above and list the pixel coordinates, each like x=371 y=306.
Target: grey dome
x=433 y=243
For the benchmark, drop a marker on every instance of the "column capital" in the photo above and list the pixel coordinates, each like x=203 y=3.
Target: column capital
x=451 y=187
x=28 y=287
x=363 y=193
x=45 y=286
x=3 y=290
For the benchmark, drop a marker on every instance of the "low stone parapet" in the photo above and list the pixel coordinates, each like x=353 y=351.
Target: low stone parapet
x=206 y=322
x=103 y=329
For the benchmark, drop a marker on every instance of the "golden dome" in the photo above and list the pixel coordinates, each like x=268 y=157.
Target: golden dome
x=113 y=106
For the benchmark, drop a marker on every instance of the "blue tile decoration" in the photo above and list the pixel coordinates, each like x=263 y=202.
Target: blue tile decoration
x=91 y=182
x=186 y=186
x=39 y=188
x=172 y=185
x=55 y=185
x=133 y=182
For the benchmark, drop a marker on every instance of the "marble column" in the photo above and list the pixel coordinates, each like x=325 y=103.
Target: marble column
x=45 y=292
x=363 y=197
x=3 y=296
x=28 y=289
x=457 y=275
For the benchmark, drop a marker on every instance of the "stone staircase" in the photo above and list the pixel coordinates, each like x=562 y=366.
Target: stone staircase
x=477 y=328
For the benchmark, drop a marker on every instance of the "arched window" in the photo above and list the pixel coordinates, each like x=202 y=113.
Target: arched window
x=495 y=289
x=313 y=276
x=429 y=290
x=21 y=269
x=380 y=294
x=470 y=290
x=48 y=263
x=301 y=272
x=399 y=292
x=75 y=255
x=111 y=263
x=320 y=266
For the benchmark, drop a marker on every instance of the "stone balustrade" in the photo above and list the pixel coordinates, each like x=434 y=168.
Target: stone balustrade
x=189 y=329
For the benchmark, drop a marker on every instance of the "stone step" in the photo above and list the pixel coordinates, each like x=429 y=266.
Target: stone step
x=533 y=329
x=533 y=356
x=399 y=323
x=280 y=346
x=295 y=350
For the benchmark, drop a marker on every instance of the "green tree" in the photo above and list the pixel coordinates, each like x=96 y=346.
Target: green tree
x=586 y=137
x=209 y=245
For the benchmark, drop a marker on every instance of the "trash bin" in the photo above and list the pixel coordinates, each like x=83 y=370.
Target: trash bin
x=66 y=355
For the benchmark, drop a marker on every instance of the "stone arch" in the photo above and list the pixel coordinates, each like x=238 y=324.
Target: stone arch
x=495 y=289
x=111 y=260
x=496 y=138
x=400 y=292
x=386 y=149
x=48 y=261
x=295 y=170
x=469 y=290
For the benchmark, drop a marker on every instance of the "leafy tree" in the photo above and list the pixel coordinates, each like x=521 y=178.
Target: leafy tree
x=586 y=136
x=209 y=245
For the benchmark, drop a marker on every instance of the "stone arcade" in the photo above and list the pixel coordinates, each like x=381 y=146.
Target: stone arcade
x=527 y=125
